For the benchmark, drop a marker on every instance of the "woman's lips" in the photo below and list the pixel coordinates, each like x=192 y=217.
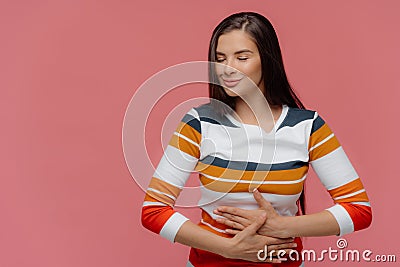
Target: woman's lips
x=231 y=82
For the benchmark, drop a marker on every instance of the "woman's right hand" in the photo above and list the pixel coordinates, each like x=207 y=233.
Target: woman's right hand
x=248 y=245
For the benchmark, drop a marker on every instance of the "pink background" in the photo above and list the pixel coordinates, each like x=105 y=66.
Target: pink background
x=69 y=69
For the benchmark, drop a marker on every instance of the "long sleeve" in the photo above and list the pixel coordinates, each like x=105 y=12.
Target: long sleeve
x=178 y=161
x=352 y=209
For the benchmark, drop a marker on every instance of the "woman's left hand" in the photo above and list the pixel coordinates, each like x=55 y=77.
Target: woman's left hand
x=238 y=219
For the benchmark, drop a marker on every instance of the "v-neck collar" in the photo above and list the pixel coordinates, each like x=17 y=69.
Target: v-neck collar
x=278 y=122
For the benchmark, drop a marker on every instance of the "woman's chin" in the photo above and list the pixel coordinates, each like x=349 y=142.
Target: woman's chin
x=230 y=93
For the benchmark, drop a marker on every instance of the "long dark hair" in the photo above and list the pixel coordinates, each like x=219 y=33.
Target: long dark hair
x=278 y=90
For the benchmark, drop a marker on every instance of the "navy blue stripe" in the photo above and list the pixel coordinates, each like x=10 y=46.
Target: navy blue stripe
x=210 y=120
x=295 y=115
x=208 y=114
x=317 y=124
x=224 y=121
x=252 y=166
x=192 y=122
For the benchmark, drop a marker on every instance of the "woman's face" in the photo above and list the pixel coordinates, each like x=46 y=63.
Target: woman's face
x=240 y=64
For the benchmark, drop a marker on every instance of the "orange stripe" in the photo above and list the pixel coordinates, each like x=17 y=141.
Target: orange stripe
x=227 y=187
x=189 y=132
x=324 y=149
x=323 y=132
x=348 y=188
x=150 y=198
x=281 y=175
x=185 y=146
x=165 y=187
x=154 y=196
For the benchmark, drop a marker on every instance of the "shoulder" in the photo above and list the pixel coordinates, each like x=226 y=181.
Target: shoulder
x=197 y=115
x=207 y=114
x=296 y=116
x=205 y=110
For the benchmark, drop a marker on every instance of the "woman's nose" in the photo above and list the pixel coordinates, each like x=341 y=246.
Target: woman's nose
x=229 y=69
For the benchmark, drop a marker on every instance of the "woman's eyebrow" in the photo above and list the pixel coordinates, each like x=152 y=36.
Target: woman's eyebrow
x=237 y=52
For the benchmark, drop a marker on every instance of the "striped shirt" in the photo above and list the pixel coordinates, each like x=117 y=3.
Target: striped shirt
x=232 y=158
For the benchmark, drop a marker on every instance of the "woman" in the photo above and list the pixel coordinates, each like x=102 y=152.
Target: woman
x=252 y=146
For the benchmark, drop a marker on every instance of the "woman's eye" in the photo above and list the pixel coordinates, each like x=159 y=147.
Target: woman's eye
x=220 y=59
x=242 y=58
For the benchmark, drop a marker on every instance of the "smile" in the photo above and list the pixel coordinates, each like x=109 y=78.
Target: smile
x=231 y=82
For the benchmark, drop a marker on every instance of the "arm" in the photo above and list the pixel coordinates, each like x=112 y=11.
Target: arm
x=318 y=224
x=173 y=170
x=351 y=211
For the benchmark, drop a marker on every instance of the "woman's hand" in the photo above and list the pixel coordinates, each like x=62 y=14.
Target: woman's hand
x=248 y=245
x=238 y=219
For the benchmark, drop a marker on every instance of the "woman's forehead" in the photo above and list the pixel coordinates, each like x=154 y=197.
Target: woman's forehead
x=235 y=41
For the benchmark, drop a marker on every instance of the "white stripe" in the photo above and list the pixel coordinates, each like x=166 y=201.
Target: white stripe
x=254 y=182
x=323 y=141
x=213 y=227
x=350 y=195
x=343 y=218
x=362 y=203
x=162 y=193
x=175 y=167
x=151 y=203
x=194 y=113
x=285 y=205
x=172 y=226
x=334 y=169
x=237 y=144
x=187 y=139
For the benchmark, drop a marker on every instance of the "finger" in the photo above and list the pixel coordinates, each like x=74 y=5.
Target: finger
x=231 y=224
x=232 y=231
x=228 y=216
x=233 y=211
x=262 y=202
x=217 y=212
x=234 y=218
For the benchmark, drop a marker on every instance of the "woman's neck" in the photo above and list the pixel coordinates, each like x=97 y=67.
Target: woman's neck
x=256 y=111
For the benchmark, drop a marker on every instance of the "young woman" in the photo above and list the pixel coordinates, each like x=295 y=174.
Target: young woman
x=252 y=146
